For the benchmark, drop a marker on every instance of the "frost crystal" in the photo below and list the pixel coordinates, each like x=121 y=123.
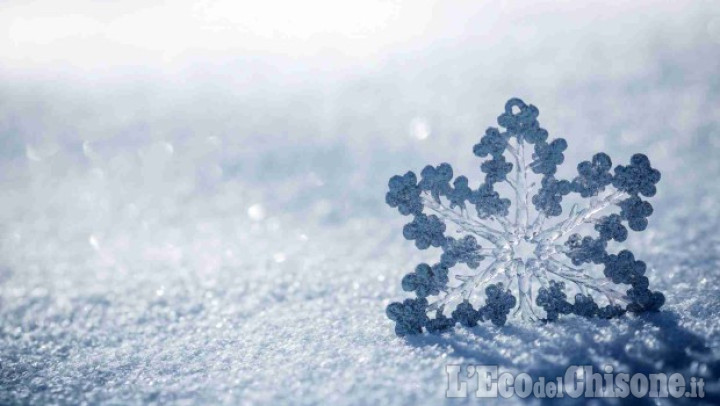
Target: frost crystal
x=528 y=259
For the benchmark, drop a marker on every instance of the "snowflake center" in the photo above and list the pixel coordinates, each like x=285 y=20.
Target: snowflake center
x=523 y=250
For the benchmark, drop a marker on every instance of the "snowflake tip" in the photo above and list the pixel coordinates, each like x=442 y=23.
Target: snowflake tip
x=547 y=157
x=493 y=143
x=638 y=177
x=548 y=198
x=593 y=175
x=644 y=299
x=404 y=194
x=553 y=300
x=583 y=250
x=465 y=250
x=611 y=228
x=459 y=193
x=436 y=180
x=466 y=315
x=496 y=169
x=488 y=202
x=426 y=280
x=410 y=316
x=426 y=231
x=623 y=268
x=635 y=211
x=497 y=304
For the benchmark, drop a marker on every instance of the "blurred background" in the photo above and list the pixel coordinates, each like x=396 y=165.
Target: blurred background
x=212 y=173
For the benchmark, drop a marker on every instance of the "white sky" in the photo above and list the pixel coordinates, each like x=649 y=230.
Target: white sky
x=85 y=33
x=91 y=34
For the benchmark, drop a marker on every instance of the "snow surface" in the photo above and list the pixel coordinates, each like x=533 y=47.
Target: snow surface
x=194 y=242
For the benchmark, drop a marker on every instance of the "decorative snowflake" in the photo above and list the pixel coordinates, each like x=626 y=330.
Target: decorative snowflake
x=534 y=258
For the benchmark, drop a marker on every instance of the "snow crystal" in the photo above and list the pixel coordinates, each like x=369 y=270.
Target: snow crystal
x=526 y=254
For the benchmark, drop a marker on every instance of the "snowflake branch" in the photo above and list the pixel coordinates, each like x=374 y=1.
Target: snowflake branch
x=470 y=283
x=575 y=219
x=581 y=279
x=464 y=222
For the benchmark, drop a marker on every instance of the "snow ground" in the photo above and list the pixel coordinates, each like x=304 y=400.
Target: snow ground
x=195 y=243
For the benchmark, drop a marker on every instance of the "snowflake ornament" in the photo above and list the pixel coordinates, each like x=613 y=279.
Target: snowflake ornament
x=524 y=255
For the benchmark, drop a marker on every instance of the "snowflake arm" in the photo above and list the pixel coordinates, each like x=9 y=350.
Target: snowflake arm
x=460 y=220
x=466 y=250
x=578 y=217
x=585 y=282
x=469 y=283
